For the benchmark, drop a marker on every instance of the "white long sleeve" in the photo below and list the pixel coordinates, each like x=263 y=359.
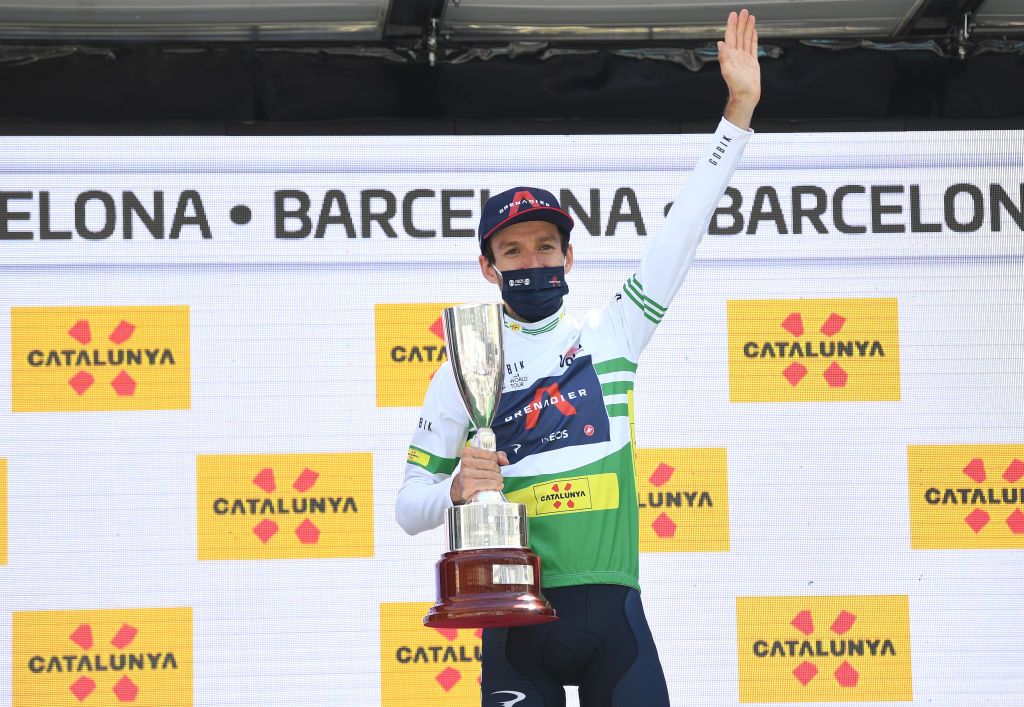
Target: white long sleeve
x=433 y=454
x=670 y=253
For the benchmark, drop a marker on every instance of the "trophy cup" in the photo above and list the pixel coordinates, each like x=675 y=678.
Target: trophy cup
x=489 y=576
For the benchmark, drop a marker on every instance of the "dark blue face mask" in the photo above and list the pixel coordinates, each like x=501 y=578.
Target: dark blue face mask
x=534 y=293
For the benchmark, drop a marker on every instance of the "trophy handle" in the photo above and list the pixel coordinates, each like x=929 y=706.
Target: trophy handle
x=485 y=439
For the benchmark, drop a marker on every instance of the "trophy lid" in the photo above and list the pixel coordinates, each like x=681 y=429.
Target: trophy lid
x=473 y=337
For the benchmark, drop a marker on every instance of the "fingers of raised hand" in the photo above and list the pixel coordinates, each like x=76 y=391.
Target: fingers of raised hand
x=730 y=30
x=740 y=33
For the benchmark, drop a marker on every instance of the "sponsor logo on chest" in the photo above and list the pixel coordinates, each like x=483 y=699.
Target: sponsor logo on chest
x=553 y=412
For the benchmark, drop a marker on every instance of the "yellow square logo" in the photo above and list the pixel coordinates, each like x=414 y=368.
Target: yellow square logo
x=684 y=500
x=410 y=349
x=563 y=496
x=3 y=511
x=597 y=492
x=804 y=350
x=426 y=667
x=103 y=658
x=70 y=359
x=968 y=496
x=824 y=649
x=284 y=506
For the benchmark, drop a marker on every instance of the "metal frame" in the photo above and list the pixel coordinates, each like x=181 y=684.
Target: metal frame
x=423 y=22
x=939 y=17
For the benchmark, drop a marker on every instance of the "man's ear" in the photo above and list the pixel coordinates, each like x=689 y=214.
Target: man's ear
x=488 y=271
x=568 y=259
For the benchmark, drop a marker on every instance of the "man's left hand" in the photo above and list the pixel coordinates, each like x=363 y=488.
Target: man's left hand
x=737 y=55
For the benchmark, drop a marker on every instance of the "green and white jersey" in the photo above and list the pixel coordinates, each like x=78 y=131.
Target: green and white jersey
x=565 y=415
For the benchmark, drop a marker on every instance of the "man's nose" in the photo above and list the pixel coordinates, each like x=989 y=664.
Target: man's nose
x=532 y=260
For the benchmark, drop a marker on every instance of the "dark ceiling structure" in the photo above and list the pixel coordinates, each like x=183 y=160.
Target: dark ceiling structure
x=499 y=66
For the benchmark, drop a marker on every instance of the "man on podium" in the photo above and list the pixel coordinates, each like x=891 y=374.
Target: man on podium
x=563 y=426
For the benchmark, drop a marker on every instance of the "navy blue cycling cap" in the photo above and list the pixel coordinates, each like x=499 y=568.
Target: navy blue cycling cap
x=521 y=204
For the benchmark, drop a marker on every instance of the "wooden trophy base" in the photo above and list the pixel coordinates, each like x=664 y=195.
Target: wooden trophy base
x=489 y=588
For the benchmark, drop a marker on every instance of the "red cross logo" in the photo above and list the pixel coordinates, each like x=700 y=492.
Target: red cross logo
x=845 y=675
x=123 y=384
x=663 y=526
x=558 y=504
x=979 y=518
x=437 y=329
x=124 y=689
x=307 y=532
x=834 y=375
x=448 y=677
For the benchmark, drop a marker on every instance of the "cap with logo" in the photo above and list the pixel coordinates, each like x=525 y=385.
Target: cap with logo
x=521 y=204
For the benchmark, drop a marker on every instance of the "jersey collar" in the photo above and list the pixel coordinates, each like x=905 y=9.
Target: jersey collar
x=537 y=328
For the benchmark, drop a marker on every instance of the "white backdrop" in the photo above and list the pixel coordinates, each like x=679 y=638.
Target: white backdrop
x=102 y=506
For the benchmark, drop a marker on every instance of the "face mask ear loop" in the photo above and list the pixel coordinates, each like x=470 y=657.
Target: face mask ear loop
x=501 y=278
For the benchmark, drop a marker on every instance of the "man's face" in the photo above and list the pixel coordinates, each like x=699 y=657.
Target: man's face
x=528 y=244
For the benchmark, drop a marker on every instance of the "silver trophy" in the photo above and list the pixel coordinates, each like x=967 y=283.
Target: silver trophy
x=489 y=576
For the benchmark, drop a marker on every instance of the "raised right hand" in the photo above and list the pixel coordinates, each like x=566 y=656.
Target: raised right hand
x=479 y=470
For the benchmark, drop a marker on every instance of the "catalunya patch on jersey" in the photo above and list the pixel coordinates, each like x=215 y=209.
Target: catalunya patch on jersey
x=555 y=412
x=598 y=492
x=583 y=521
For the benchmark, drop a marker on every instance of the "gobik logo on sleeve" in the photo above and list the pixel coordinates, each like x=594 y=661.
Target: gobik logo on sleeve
x=966 y=496
x=410 y=349
x=684 y=500
x=824 y=649
x=813 y=350
x=69 y=359
x=284 y=506
x=102 y=658
x=426 y=667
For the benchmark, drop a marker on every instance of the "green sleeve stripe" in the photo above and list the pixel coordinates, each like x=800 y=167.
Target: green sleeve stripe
x=633 y=297
x=640 y=288
x=618 y=410
x=431 y=462
x=616 y=387
x=649 y=312
x=614 y=366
